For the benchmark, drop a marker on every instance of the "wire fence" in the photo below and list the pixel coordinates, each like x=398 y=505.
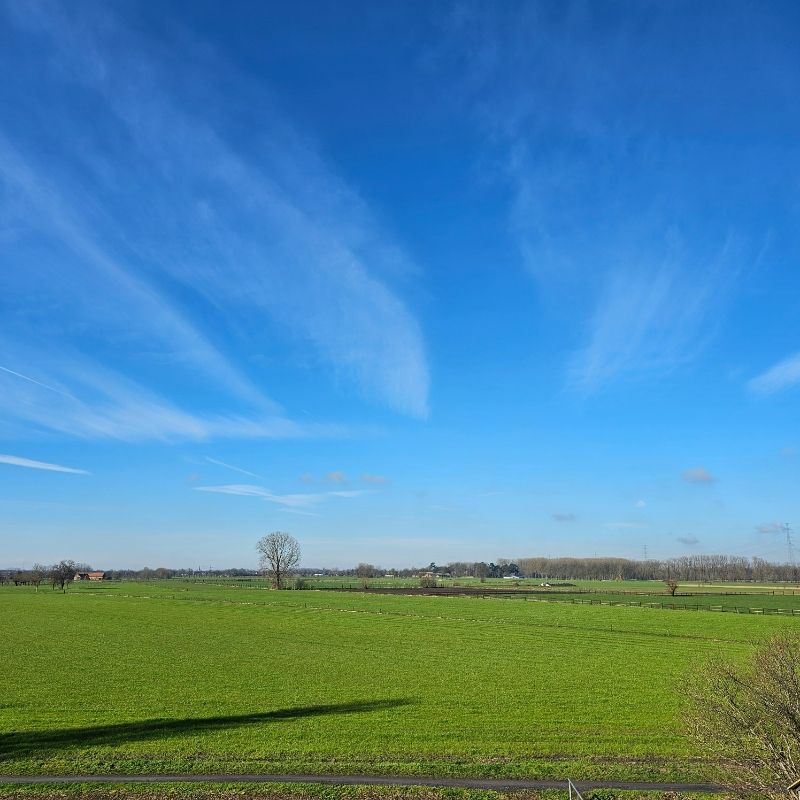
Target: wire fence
x=532 y=597
x=528 y=595
x=574 y=794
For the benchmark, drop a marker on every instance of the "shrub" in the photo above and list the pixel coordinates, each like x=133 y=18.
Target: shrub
x=746 y=717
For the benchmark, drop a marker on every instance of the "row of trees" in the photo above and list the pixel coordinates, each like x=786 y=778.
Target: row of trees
x=280 y=554
x=57 y=575
x=453 y=569
x=684 y=568
x=146 y=574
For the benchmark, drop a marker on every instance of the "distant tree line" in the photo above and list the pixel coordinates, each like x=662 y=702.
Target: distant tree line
x=453 y=569
x=55 y=575
x=67 y=570
x=682 y=568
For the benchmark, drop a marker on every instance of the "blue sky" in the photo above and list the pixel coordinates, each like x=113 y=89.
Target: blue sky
x=412 y=281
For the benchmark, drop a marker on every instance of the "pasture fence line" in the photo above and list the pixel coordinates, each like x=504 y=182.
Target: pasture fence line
x=532 y=597
x=542 y=596
x=412 y=583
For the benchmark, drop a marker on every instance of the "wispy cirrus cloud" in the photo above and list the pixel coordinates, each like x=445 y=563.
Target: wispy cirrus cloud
x=293 y=501
x=784 y=375
x=649 y=319
x=186 y=253
x=35 y=382
x=689 y=539
x=219 y=463
x=101 y=404
x=106 y=289
x=561 y=517
x=29 y=463
x=605 y=201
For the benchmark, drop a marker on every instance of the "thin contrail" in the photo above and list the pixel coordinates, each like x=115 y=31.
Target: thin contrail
x=230 y=466
x=38 y=383
x=18 y=461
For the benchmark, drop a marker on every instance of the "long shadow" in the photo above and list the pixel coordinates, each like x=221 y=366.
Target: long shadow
x=21 y=745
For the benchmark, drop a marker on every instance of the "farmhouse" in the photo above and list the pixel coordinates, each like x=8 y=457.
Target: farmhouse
x=97 y=575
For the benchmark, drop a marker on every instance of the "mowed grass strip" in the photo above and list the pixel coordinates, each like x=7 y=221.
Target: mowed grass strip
x=173 y=677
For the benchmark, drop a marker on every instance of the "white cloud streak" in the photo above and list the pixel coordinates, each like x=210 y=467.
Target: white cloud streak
x=102 y=404
x=110 y=289
x=29 y=463
x=603 y=199
x=231 y=467
x=784 y=375
x=649 y=319
x=268 y=234
x=292 y=501
x=34 y=381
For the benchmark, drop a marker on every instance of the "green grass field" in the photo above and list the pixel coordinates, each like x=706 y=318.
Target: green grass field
x=178 y=676
x=637 y=587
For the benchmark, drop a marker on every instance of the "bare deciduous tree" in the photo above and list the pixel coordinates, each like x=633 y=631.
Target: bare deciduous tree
x=279 y=553
x=365 y=572
x=672 y=586
x=747 y=718
x=62 y=573
x=38 y=574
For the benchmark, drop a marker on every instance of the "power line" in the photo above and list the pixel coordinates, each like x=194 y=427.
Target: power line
x=787 y=529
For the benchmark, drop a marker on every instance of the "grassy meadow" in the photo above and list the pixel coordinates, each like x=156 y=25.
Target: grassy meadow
x=182 y=676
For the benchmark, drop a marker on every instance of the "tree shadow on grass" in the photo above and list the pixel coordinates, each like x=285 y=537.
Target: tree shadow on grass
x=31 y=743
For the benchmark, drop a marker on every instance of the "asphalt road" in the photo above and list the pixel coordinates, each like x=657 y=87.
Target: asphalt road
x=364 y=780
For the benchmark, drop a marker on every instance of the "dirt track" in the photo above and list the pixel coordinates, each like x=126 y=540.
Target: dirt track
x=363 y=780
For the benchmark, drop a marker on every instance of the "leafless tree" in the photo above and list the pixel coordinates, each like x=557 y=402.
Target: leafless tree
x=700 y=567
x=62 y=573
x=746 y=717
x=38 y=574
x=279 y=553
x=672 y=586
x=366 y=571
